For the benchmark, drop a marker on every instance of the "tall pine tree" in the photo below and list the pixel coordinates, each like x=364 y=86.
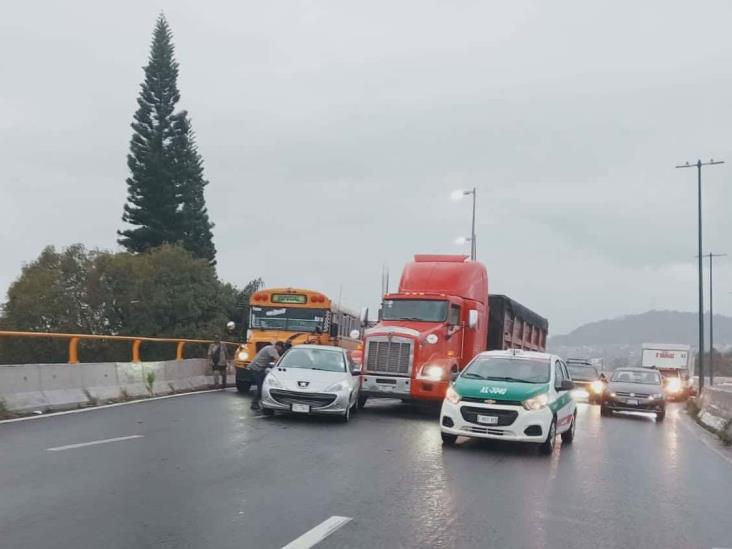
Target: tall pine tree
x=165 y=201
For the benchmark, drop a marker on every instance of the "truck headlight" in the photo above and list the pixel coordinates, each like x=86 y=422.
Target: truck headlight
x=537 y=402
x=433 y=373
x=432 y=339
x=673 y=386
x=452 y=395
x=242 y=355
x=597 y=387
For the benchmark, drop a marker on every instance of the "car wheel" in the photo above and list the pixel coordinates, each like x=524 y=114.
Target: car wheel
x=354 y=406
x=346 y=417
x=568 y=435
x=243 y=386
x=448 y=439
x=660 y=416
x=604 y=410
x=267 y=412
x=362 y=401
x=547 y=447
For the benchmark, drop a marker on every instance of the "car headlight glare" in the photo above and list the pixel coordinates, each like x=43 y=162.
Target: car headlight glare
x=434 y=373
x=537 y=402
x=452 y=395
x=242 y=355
x=657 y=396
x=597 y=386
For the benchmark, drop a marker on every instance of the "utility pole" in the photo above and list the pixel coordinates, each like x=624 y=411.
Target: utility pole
x=711 y=317
x=698 y=166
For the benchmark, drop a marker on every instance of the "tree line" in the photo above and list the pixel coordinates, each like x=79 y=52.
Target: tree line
x=165 y=283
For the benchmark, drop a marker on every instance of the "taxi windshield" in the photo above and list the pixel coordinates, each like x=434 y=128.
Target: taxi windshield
x=314 y=359
x=520 y=370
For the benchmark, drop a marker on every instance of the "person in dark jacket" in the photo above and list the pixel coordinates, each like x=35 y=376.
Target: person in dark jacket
x=266 y=356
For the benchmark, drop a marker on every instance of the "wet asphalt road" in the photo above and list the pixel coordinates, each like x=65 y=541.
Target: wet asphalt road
x=206 y=473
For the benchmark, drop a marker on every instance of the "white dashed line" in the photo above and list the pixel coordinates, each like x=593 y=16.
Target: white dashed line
x=317 y=534
x=92 y=443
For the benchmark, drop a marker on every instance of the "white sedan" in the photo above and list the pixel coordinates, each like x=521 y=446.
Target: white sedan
x=312 y=379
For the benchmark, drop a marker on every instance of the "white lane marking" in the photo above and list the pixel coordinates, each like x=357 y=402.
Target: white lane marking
x=317 y=534
x=104 y=406
x=92 y=443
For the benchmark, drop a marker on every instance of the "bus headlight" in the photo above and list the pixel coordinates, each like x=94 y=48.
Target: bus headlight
x=597 y=387
x=242 y=355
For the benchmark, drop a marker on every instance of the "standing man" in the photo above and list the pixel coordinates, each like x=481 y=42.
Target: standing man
x=218 y=358
x=258 y=366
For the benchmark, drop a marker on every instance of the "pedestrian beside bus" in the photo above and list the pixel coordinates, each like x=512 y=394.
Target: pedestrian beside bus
x=265 y=357
x=218 y=358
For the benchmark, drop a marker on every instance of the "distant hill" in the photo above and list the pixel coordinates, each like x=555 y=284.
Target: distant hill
x=651 y=327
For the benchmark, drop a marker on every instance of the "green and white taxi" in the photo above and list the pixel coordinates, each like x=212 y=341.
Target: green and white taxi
x=511 y=395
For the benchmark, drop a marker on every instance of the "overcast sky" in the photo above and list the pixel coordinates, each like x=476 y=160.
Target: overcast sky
x=334 y=132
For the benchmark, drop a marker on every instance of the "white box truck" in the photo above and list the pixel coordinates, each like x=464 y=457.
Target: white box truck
x=673 y=361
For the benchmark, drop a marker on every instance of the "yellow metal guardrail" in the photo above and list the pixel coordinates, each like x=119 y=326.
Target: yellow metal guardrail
x=136 y=342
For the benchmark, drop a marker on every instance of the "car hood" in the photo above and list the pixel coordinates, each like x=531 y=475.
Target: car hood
x=634 y=387
x=498 y=390
x=293 y=379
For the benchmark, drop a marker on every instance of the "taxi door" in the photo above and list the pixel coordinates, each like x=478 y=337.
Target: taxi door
x=564 y=404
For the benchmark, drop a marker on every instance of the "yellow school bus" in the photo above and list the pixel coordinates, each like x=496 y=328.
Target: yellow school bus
x=296 y=316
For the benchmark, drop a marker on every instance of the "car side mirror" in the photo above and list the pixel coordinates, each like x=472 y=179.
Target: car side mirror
x=355 y=334
x=566 y=385
x=454 y=375
x=355 y=371
x=472 y=319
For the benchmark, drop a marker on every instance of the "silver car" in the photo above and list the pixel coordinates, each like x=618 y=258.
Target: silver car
x=312 y=379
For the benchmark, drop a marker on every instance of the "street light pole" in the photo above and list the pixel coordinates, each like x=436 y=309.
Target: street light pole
x=711 y=317
x=472 y=230
x=699 y=165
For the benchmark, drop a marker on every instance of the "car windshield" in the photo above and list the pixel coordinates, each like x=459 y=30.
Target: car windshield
x=287 y=318
x=583 y=373
x=314 y=359
x=634 y=376
x=520 y=370
x=425 y=310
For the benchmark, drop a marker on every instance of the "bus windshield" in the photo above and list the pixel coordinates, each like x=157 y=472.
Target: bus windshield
x=422 y=310
x=287 y=318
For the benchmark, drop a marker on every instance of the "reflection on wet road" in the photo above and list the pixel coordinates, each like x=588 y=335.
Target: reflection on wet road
x=205 y=473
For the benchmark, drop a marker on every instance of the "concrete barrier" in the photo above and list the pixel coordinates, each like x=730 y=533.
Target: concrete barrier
x=20 y=388
x=100 y=381
x=61 y=385
x=716 y=409
x=43 y=387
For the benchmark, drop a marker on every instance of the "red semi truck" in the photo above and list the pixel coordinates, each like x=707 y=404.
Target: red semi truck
x=438 y=320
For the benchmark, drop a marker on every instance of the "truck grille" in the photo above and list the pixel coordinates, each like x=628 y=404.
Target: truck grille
x=389 y=357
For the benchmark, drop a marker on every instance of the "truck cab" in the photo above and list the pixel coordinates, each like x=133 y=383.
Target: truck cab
x=428 y=330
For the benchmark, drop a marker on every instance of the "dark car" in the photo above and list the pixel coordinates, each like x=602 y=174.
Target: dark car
x=634 y=390
x=587 y=380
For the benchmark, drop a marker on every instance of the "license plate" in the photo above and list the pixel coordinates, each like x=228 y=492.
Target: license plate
x=632 y=402
x=387 y=388
x=301 y=408
x=488 y=420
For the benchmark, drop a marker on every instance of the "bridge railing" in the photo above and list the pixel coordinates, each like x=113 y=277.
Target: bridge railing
x=136 y=341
